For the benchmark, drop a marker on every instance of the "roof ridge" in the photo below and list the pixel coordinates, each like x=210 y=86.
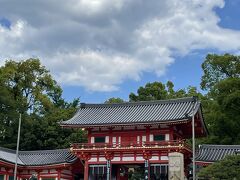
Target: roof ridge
x=220 y=145
x=33 y=151
x=8 y=150
x=165 y=101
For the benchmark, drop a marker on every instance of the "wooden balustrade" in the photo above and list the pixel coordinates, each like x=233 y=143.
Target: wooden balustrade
x=153 y=144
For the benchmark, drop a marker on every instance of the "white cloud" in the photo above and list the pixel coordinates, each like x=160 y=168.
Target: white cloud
x=95 y=70
x=98 y=44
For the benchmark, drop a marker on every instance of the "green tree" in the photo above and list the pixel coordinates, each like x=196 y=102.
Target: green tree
x=30 y=84
x=222 y=80
x=114 y=100
x=8 y=113
x=44 y=132
x=28 y=88
x=219 y=67
x=227 y=169
x=222 y=114
x=160 y=91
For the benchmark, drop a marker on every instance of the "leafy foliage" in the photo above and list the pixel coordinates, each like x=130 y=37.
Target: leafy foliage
x=28 y=88
x=31 y=84
x=222 y=79
x=160 y=91
x=219 y=67
x=227 y=169
x=8 y=114
x=114 y=100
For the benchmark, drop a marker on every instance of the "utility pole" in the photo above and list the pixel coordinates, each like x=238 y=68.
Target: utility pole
x=18 y=139
x=193 y=143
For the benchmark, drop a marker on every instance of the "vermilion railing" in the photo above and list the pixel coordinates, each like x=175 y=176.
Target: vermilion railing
x=129 y=145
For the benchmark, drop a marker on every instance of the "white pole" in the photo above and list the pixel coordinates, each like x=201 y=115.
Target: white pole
x=193 y=144
x=18 y=139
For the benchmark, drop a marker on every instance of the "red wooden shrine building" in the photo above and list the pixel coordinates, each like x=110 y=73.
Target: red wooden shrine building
x=125 y=140
x=43 y=164
x=134 y=139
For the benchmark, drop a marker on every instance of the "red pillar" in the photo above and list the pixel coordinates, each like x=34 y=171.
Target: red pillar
x=38 y=174
x=59 y=174
x=7 y=173
x=110 y=135
x=89 y=135
x=86 y=167
x=171 y=132
x=147 y=133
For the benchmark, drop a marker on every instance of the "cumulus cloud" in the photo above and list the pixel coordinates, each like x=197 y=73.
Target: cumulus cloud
x=98 y=44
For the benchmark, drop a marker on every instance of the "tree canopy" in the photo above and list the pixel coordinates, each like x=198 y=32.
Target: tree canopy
x=219 y=67
x=222 y=80
x=114 y=100
x=30 y=84
x=227 y=169
x=161 y=91
x=28 y=88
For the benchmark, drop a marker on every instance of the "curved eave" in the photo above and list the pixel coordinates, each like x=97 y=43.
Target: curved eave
x=202 y=120
x=47 y=166
x=204 y=162
x=166 y=122
x=10 y=162
x=7 y=163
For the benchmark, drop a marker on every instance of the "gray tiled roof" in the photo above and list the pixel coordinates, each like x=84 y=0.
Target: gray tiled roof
x=9 y=156
x=37 y=158
x=212 y=153
x=134 y=112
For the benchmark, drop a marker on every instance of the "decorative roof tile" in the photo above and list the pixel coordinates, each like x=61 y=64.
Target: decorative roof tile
x=146 y=112
x=212 y=153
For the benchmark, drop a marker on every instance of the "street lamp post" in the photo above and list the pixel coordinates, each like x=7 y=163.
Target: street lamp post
x=193 y=144
x=18 y=139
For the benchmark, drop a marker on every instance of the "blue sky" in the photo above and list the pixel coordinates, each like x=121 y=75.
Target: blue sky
x=100 y=49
